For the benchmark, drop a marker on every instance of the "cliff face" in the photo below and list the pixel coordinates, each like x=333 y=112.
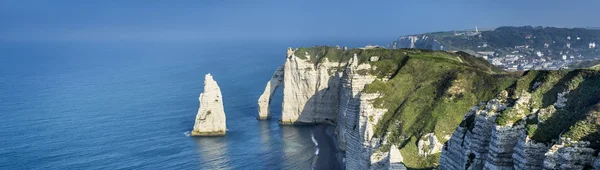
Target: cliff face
x=519 y=132
x=405 y=108
x=310 y=93
x=417 y=41
x=210 y=120
x=317 y=90
x=311 y=90
x=490 y=146
x=356 y=119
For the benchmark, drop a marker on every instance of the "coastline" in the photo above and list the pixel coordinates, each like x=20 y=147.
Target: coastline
x=329 y=157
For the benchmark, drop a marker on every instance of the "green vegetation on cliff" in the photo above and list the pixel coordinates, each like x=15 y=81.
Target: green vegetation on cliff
x=430 y=91
x=568 y=102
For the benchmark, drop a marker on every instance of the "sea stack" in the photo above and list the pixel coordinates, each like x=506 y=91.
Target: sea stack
x=210 y=120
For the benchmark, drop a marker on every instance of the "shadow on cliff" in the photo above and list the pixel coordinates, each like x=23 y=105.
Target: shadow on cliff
x=581 y=101
x=315 y=112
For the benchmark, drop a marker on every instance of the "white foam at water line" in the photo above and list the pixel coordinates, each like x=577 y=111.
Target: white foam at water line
x=312 y=136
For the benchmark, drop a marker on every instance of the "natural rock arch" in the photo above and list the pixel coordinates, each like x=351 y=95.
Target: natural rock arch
x=264 y=101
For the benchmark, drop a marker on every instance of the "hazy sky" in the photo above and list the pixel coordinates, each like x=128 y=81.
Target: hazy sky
x=150 y=20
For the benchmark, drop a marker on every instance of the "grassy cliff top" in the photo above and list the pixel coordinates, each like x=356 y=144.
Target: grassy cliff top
x=388 y=57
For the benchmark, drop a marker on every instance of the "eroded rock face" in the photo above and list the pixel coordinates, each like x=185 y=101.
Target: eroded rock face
x=356 y=120
x=528 y=154
x=569 y=154
x=429 y=145
x=265 y=99
x=210 y=120
x=486 y=145
x=349 y=105
x=310 y=93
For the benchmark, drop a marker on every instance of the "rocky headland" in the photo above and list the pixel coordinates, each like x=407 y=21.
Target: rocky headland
x=420 y=109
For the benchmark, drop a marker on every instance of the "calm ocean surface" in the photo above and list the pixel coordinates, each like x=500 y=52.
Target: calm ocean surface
x=127 y=106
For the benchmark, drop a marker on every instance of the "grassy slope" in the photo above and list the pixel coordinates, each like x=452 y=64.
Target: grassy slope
x=431 y=92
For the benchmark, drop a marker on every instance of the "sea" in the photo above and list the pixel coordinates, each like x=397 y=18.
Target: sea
x=130 y=105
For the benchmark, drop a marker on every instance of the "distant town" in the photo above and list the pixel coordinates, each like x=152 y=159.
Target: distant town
x=525 y=57
x=516 y=48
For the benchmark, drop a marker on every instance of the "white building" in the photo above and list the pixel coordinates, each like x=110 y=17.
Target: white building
x=539 y=54
x=490 y=53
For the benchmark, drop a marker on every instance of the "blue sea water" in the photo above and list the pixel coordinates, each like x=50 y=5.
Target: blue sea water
x=128 y=105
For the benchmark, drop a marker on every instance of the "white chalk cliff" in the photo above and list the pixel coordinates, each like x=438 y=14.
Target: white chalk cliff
x=309 y=91
x=210 y=120
x=331 y=92
x=356 y=121
x=265 y=99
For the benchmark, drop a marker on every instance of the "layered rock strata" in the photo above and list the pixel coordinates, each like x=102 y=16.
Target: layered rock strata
x=356 y=120
x=483 y=144
x=210 y=120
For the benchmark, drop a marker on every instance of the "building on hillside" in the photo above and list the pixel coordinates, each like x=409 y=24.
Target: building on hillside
x=488 y=53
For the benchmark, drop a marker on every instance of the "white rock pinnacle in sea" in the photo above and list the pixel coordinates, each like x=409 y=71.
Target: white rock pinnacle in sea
x=210 y=120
